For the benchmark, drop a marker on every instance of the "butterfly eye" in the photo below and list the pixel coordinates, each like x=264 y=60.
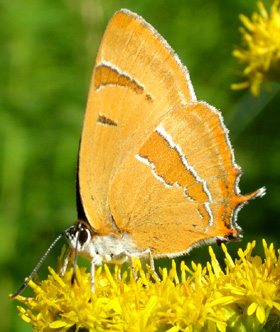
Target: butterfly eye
x=83 y=236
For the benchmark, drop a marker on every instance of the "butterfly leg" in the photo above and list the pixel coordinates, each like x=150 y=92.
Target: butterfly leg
x=119 y=272
x=148 y=252
x=65 y=261
x=122 y=257
x=144 y=253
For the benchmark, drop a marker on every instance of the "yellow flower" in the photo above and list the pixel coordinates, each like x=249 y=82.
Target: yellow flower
x=261 y=51
x=243 y=297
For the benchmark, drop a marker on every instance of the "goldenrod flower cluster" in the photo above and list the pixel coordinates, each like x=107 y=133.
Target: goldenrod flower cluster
x=261 y=48
x=243 y=297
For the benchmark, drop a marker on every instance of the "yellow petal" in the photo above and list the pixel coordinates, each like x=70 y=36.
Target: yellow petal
x=252 y=308
x=260 y=313
x=57 y=324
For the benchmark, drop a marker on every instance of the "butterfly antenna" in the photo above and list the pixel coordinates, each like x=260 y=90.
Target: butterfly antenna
x=38 y=265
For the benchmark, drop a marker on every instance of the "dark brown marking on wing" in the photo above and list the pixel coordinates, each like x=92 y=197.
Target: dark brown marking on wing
x=106 y=75
x=106 y=121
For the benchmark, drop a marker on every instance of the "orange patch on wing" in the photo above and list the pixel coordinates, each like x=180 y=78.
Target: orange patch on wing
x=203 y=212
x=168 y=165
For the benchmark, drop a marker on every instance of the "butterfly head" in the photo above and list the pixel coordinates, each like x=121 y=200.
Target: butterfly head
x=81 y=239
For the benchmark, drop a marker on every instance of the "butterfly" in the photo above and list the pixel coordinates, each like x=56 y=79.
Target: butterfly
x=156 y=171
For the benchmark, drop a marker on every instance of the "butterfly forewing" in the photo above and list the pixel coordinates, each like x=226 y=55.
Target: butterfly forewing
x=136 y=79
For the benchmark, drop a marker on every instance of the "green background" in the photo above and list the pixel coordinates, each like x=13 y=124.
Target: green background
x=46 y=59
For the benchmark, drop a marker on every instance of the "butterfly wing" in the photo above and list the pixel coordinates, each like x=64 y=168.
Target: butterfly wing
x=136 y=79
x=180 y=183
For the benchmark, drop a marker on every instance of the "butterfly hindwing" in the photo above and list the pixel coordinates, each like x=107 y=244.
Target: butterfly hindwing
x=179 y=183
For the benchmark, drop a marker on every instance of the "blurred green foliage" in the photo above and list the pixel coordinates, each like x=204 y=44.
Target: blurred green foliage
x=46 y=59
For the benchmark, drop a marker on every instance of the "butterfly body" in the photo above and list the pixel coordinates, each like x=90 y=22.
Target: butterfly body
x=112 y=248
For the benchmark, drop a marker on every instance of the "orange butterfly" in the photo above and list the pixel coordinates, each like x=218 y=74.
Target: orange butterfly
x=156 y=173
